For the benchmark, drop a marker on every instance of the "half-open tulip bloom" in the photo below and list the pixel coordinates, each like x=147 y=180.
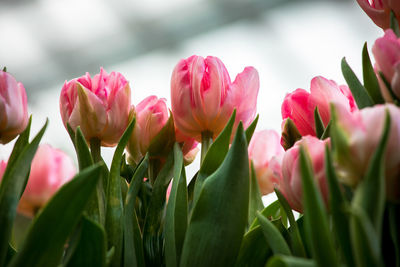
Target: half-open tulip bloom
x=203 y=96
x=151 y=116
x=386 y=51
x=99 y=105
x=363 y=130
x=266 y=153
x=13 y=108
x=379 y=11
x=50 y=169
x=290 y=182
x=300 y=104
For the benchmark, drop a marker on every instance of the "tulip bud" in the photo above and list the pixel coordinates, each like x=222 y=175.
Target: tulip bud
x=151 y=117
x=203 y=96
x=362 y=132
x=379 y=11
x=99 y=105
x=13 y=108
x=266 y=153
x=50 y=169
x=290 y=183
x=386 y=51
x=299 y=105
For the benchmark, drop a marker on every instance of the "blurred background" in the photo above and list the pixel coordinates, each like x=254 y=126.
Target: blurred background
x=45 y=42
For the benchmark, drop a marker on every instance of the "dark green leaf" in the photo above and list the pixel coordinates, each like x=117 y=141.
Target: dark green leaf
x=319 y=124
x=215 y=155
x=10 y=254
x=44 y=244
x=82 y=150
x=364 y=239
x=256 y=203
x=274 y=238
x=297 y=244
x=315 y=216
x=360 y=94
x=338 y=205
x=71 y=133
x=91 y=248
x=394 y=222
x=20 y=144
x=254 y=250
x=153 y=240
x=214 y=235
x=271 y=212
x=133 y=246
x=370 y=81
x=288 y=261
x=250 y=130
x=394 y=24
x=290 y=134
x=13 y=183
x=327 y=132
x=114 y=216
x=177 y=213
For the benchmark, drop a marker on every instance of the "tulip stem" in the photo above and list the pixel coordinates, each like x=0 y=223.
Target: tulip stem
x=95 y=149
x=206 y=141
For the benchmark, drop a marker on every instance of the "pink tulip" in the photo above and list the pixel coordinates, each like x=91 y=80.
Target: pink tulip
x=386 y=51
x=99 y=105
x=50 y=169
x=203 y=96
x=266 y=153
x=363 y=130
x=300 y=105
x=13 y=108
x=290 y=182
x=151 y=116
x=379 y=11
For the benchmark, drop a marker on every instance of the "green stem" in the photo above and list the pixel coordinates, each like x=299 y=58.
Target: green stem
x=154 y=168
x=95 y=149
x=206 y=141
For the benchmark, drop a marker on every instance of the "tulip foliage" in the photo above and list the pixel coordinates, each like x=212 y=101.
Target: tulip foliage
x=337 y=164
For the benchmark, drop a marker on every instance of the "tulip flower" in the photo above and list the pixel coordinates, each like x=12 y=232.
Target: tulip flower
x=290 y=183
x=13 y=108
x=266 y=153
x=203 y=96
x=379 y=11
x=363 y=131
x=386 y=51
x=99 y=105
x=299 y=105
x=50 y=169
x=151 y=117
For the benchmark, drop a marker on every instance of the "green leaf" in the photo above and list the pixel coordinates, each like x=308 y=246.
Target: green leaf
x=71 y=133
x=91 y=248
x=338 y=206
x=250 y=130
x=364 y=239
x=389 y=89
x=114 y=216
x=370 y=193
x=274 y=238
x=214 y=235
x=319 y=124
x=13 y=183
x=163 y=142
x=82 y=150
x=256 y=203
x=177 y=213
x=327 y=131
x=394 y=24
x=10 y=254
x=214 y=157
x=288 y=261
x=290 y=134
x=133 y=246
x=153 y=241
x=315 y=216
x=270 y=212
x=394 y=222
x=297 y=244
x=360 y=94
x=370 y=81
x=254 y=250
x=44 y=244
